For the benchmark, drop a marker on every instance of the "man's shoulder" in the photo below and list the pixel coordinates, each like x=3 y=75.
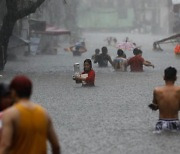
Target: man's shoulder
x=131 y=58
x=177 y=88
x=158 y=89
x=139 y=57
x=99 y=57
x=12 y=109
x=124 y=59
x=117 y=59
x=39 y=106
x=41 y=109
x=107 y=56
x=164 y=88
x=11 y=113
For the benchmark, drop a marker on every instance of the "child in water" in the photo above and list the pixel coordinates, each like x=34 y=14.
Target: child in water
x=95 y=56
x=87 y=77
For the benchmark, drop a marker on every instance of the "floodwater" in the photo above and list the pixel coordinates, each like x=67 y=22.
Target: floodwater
x=111 y=118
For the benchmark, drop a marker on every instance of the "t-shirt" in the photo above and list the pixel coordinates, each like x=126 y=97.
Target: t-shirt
x=90 y=78
x=136 y=63
x=103 y=60
x=120 y=64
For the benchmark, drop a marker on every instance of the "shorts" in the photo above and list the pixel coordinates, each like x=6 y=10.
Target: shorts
x=172 y=124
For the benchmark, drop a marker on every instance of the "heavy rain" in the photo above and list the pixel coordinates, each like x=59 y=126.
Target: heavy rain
x=49 y=40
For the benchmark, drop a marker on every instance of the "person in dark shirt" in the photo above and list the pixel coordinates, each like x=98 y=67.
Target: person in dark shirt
x=104 y=58
x=136 y=63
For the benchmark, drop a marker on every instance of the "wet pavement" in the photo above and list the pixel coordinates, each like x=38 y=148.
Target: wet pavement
x=110 y=118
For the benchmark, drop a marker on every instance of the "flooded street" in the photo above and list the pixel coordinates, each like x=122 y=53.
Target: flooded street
x=111 y=118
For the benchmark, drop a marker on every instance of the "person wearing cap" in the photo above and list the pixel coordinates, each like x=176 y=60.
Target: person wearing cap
x=26 y=125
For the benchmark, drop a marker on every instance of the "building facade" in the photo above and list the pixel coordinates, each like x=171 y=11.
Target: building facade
x=140 y=15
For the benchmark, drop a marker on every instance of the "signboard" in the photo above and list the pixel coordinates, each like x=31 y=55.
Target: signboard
x=175 y=2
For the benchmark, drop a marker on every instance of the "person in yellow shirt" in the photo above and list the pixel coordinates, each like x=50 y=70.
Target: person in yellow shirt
x=26 y=125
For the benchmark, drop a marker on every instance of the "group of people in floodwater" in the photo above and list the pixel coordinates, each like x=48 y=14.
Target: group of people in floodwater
x=166 y=98
x=120 y=63
x=25 y=126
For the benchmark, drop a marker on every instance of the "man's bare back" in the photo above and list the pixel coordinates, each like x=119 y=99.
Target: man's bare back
x=167 y=99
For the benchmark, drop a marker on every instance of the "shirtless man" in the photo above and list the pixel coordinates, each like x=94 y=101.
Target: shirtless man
x=94 y=57
x=167 y=100
x=26 y=125
x=104 y=58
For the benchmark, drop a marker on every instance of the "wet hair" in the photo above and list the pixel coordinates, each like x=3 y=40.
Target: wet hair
x=170 y=74
x=120 y=52
x=77 y=47
x=140 y=51
x=104 y=50
x=97 y=51
x=22 y=86
x=89 y=62
x=136 y=51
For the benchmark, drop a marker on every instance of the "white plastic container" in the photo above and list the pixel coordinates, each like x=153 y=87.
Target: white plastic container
x=77 y=72
x=76 y=68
